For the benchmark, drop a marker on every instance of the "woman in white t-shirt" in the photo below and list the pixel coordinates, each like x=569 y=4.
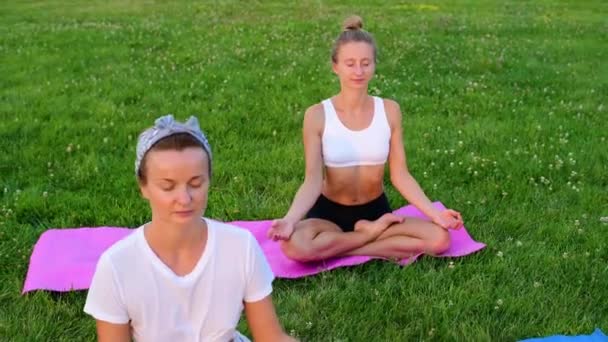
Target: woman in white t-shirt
x=181 y=277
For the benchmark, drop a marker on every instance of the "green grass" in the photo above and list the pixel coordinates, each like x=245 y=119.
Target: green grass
x=505 y=119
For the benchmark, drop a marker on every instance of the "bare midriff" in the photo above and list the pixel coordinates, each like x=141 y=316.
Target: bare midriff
x=353 y=185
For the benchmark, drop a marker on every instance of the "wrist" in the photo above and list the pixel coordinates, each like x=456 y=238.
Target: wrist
x=435 y=215
x=290 y=219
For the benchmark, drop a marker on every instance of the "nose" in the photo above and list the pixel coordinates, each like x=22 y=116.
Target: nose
x=184 y=197
x=358 y=69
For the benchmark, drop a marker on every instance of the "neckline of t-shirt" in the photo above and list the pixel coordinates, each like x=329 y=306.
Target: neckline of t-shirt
x=198 y=268
x=371 y=124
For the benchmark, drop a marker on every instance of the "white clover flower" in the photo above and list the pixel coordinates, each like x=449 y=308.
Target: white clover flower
x=499 y=254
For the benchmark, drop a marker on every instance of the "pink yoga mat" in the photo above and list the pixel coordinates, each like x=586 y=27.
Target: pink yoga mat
x=65 y=259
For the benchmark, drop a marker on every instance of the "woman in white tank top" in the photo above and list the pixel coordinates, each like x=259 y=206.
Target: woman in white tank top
x=341 y=209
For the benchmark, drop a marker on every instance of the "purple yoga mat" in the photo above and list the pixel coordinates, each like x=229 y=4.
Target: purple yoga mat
x=65 y=259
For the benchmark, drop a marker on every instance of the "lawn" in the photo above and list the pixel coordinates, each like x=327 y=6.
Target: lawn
x=505 y=119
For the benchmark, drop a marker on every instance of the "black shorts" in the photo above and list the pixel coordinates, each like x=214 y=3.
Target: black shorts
x=345 y=216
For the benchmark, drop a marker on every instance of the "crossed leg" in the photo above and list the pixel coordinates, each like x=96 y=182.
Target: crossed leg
x=402 y=240
x=389 y=237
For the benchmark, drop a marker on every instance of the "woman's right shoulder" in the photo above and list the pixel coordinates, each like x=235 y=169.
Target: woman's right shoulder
x=314 y=116
x=316 y=110
x=124 y=248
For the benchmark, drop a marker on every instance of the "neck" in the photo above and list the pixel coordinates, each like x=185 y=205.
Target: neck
x=167 y=236
x=352 y=100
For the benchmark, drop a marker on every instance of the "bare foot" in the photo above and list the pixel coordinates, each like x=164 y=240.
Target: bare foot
x=374 y=228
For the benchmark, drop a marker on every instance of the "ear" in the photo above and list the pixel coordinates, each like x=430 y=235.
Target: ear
x=145 y=192
x=334 y=67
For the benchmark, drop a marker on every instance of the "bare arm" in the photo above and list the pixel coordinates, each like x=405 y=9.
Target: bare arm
x=405 y=183
x=264 y=323
x=110 y=332
x=401 y=178
x=310 y=189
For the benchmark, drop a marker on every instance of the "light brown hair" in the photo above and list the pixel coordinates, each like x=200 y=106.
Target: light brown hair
x=352 y=32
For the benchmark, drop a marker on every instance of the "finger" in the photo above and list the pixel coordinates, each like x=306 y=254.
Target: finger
x=460 y=224
x=452 y=213
x=453 y=225
x=459 y=216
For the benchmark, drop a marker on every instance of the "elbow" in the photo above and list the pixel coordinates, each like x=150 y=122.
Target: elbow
x=398 y=178
x=284 y=337
x=313 y=183
x=277 y=335
x=394 y=180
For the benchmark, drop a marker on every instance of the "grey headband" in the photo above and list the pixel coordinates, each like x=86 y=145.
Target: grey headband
x=166 y=126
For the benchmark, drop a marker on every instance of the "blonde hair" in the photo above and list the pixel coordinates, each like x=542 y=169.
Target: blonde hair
x=352 y=31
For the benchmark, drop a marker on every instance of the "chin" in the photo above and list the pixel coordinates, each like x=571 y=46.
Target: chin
x=183 y=219
x=358 y=85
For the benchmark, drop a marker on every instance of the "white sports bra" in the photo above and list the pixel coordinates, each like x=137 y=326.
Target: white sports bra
x=343 y=147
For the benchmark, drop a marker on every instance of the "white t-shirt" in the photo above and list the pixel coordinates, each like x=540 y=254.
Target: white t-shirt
x=132 y=284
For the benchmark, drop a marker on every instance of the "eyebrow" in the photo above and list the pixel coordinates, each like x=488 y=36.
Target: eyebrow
x=173 y=181
x=354 y=59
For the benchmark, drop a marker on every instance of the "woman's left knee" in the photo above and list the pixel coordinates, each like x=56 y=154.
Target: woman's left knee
x=440 y=243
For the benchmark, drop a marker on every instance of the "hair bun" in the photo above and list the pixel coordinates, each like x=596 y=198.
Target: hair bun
x=353 y=23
